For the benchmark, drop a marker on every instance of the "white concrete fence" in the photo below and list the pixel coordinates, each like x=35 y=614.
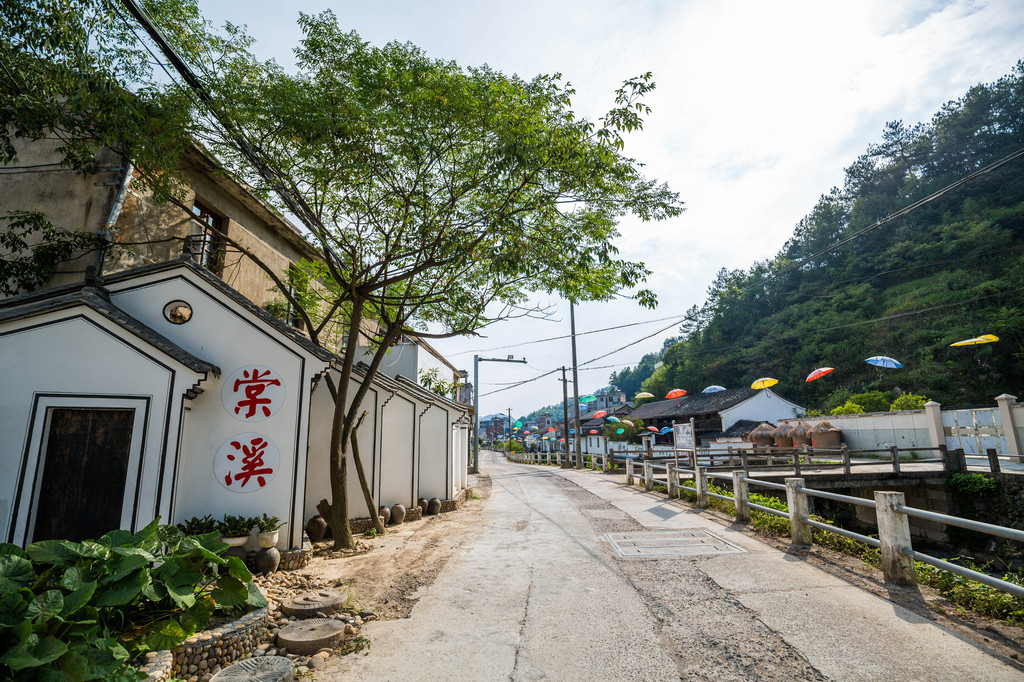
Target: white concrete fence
x=893 y=518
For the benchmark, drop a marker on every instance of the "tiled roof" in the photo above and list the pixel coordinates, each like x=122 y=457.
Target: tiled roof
x=692 y=405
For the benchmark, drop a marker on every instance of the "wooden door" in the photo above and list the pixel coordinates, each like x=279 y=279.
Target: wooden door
x=81 y=495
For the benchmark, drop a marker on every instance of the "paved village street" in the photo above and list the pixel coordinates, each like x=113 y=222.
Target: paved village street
x=540 y=593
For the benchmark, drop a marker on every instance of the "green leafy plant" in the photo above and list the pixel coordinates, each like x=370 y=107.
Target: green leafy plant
x=199 y=525
x=908 y=401
x=237 y=526
x=267 y=524
x=82 y=611
x=973 y=484
x=849 y=408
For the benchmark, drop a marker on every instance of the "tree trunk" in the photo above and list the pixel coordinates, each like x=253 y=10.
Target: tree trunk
x=378 y=525
x=340 y=529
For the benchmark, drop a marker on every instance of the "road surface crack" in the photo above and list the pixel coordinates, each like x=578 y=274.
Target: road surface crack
x=522 y=627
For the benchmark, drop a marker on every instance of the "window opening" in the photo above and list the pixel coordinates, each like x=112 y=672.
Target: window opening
x=204 y=244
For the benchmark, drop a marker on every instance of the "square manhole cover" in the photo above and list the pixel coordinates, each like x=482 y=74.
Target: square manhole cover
x=653 y=544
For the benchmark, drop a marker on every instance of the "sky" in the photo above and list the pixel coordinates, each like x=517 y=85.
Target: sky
x=759 y=107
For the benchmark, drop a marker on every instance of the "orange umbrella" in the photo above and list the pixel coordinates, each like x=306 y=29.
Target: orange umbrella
x=598 y=415
x=551 y=429
x=653 y=428
x=675 y=393
x=819 y=373
x=593 y=431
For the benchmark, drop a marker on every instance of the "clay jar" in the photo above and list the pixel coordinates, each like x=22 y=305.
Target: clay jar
x=268 y=559
x=385 y=514
x=316 y=528
x=422 y=504
x=397 y=514
x=434 y=506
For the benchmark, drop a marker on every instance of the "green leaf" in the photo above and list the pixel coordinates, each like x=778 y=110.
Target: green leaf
x=77 y=599
x=238 y=569
x=126 y=566
x=51 y=552
x=230 y=592
x=36 y=651
x=13 y=607
x=165 y=634
x=74 y=665
x=255 y=597
x=182 y=594
x=104 y=658
x=73 y=579
x=119 y=593
x=46 y=606
x=15 y=572
x=8 y=548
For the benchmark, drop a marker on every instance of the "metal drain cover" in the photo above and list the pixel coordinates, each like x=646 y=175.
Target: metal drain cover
x=654 y=544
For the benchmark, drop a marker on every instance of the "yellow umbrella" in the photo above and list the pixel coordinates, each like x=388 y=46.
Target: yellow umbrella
x=984 y=338
x=643 y=394
x=764 y=382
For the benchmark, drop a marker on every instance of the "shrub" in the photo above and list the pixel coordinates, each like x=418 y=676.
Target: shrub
x=268 y=524
x=908 y=401
x=199 y=526
x=237 y=526
x=973 y=484
x=849 y=408
x=873 y=401
x=82 y=611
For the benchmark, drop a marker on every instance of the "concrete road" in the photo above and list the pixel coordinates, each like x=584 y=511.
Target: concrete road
x=541 y=594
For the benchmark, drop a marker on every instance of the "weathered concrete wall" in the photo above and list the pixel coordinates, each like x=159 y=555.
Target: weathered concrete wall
x=881 y=429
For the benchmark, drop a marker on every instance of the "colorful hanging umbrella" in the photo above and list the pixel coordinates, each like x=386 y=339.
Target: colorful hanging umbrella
x=714 y=388
x=764 y=382
x=519 y=424
x=626 y=421
x=620 y=431
x=598 y=415
x=819 y=373
x=884 y=361
x=588 y=398
x=613 y=419
x=675 y=393
x=984 y=338
x=561 y=440
x=653 y=428
x=643 y=394
x=551 y=429
x=593 y=431
x=666 y=430
x=572 y=431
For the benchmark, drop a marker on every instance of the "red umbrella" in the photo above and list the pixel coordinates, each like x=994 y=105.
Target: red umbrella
x=598 y=415
x=675 y=393
x=653 y=428
x=551 y=429
x=593 y=431
x=819 y=373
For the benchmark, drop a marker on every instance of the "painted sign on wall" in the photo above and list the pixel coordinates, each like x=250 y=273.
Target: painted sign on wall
x=246 y=462
x=253 y=393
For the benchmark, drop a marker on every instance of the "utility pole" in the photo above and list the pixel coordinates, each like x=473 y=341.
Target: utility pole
x=476 y=403
x=565 y=417
x=510 y=430
x=575 y=389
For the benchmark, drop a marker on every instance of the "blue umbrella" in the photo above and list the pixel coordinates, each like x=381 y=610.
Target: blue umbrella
x=883 y=361
x=714 y=388
x=572 y=431
x=667 y=429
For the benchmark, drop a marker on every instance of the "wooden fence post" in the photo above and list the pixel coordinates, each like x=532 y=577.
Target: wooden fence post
x=895 y=454
x=796 y=462
x=993 y=460
x=741 y=497
x=745 y=458
x=670 y=476
x=799 y=507
x=700 y=479
x=894 y=536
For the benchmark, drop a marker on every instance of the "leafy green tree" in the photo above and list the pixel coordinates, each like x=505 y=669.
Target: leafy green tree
x=849 y=408
x=908 y=401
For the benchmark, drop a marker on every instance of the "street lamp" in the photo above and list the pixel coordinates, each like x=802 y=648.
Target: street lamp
x=476 y=403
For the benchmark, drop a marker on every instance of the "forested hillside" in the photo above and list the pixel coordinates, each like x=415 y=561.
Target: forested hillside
x=949 y=270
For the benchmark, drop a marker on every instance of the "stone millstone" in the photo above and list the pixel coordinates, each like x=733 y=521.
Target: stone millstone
x=310 y=636
x=312 y=603
x=261 y=669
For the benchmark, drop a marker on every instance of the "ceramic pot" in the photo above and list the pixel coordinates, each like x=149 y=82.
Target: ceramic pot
x=316 y=528
x=268 y=559
x=268 y=539
x=422 y=504
x=397 y=514
x=385 y=514
x=235 y=542
x=434 y=506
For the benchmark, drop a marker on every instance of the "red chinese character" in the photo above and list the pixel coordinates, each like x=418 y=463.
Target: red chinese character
x=252 y=463
x=255 y=383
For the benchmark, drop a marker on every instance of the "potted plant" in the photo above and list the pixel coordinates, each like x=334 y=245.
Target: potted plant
x=234 y=530
x=199 y=526
x=268 y=530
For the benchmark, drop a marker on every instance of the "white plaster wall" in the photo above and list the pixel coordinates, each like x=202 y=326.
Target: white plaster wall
x=75 y=356
x=318 y=472
x=435 y=466
x=222 y=332
x=880 y=430
x=762 y=406
x=397 y=461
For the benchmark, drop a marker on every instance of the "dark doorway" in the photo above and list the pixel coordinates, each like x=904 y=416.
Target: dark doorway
x=82 y=490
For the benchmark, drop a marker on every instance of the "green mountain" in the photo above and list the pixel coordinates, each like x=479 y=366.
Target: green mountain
x=949 y=270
